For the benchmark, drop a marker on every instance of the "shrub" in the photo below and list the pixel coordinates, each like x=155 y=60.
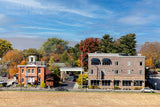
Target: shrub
x=116 y=87
x=20 y=85
x=30 y=85
x=43 y=85
x=137 y=88
x=94 y=87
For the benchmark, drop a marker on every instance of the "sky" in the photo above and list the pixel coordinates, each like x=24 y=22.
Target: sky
x=28 y=23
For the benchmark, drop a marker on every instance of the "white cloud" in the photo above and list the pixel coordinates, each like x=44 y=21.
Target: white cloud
x=39 y=7
x=137 y=20
x=69 y=24
x=40 y=28
x=3 y=19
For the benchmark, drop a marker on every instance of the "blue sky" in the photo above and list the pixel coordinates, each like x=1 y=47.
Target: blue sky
x=75 y=20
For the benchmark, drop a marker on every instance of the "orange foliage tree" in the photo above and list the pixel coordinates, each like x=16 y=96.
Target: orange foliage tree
x=151 y=50
x=89 y=45
x=12 y=58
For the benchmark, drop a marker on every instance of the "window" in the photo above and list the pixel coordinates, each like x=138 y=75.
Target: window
x=106 y=61
x=28 y=70
x=138 y=83
x=32 y=71
x=102 y=74
x=129 y=72
x=31 y=80
x=140 y=63
x=95 y=82
x=39 y=71
x=116 y=82
x=140 y=72
x=95 y=61
x=39 y=80
x=129 y=63
x=116 y=71
x=22 y=71
x=22 y=79
x=106 y=82
x=116 y=63
x=91 y=71
x=127 y=82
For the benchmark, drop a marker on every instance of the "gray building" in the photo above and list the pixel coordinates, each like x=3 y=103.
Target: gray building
x=109 y=71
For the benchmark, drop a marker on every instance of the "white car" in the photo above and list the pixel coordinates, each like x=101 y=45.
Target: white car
x=2 y=81
x=147 y=90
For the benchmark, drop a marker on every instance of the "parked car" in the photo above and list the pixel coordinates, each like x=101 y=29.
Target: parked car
x=147 y=90
x=155 y=72
x=2 y=81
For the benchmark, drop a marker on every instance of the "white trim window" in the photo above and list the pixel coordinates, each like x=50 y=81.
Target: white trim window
x=140 y=72
x=22 y=80
x=39 y=71
x=91 y=71
x=129 y=71
x=31 y=80
x=22 y=71
x=29 y=71
x=129 y=63
x=32 y=71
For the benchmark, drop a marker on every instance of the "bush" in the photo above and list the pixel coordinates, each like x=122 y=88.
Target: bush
x=43 y=85
x=158 y=70
x=94 y=87
x=30 y=85
x=116 y=87
x=20 y=85
x=137 y=88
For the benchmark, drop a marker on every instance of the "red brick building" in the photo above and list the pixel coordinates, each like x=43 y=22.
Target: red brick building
x=33 y=72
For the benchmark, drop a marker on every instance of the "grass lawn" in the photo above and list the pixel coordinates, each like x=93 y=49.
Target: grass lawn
x=77 y=99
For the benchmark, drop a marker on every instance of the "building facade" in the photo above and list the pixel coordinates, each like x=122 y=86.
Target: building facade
x=33 y=72
x=109 y=71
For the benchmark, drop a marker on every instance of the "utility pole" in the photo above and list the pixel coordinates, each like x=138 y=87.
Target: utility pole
x=81 y=71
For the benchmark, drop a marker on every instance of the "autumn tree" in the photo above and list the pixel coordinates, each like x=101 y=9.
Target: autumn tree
x=151 y=51
x=89 y=45
x=127 y=44
x=84 y=79
x=12 y=58
x=5 y=46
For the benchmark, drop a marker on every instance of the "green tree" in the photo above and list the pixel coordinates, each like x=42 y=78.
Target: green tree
x=107 y=44
x=55 y=69
x=32 y=51
x=53 y=44
x=5 y=46
x=75 y=52
x=64 y=57
x=127 y=44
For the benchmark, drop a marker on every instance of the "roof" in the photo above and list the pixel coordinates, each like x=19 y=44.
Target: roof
x=71 y=69
x=59 y=64
x=48 y=71
x=112 y=54
x=31 y=66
